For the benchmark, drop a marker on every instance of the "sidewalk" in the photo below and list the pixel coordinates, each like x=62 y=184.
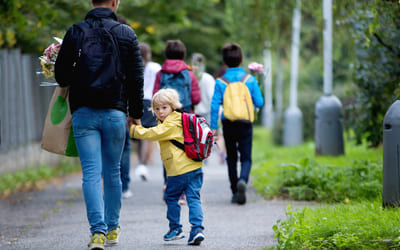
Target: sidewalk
x=55 y=218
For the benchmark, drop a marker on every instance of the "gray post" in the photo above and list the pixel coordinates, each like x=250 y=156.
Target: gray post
x=328 y=109
x=293 y=118
x=391 y=159
x=268 y=115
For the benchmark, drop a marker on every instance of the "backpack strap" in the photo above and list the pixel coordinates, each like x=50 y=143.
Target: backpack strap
x=224 y=80
x=178 y=144
x=110 y=25
x=245 y=78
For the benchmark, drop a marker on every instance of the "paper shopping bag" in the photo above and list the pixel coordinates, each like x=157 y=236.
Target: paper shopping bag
x=58 y=135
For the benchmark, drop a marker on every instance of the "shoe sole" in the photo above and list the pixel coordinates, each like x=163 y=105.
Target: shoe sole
x=176 y=237
x=96 y=247
x=241 y=198
x=197 y=240
x=112 y=242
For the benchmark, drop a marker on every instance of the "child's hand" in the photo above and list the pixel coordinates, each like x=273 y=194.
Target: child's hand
x=215 y=133
x=130 y=121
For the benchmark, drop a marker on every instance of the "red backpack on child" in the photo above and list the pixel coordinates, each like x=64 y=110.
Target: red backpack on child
x=198 y=138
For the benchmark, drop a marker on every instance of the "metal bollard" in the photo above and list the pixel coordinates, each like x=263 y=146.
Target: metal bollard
x=328 y=126
x=293 y=127
x=391 y=148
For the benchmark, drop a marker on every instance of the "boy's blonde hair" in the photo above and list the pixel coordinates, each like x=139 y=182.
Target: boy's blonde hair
x=166 y=96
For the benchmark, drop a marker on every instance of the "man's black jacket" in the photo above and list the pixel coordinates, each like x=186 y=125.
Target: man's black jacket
x=130 y=100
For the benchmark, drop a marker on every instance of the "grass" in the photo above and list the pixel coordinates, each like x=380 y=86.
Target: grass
x=362 y=225
x=348 y=187
x=30 y=178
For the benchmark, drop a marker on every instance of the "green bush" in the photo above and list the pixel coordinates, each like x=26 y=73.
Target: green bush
x=364 y=225
x=297 y=173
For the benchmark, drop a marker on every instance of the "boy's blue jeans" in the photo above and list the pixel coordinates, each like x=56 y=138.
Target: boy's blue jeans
x=189 y=183
x=238 y=137
x=100 y=135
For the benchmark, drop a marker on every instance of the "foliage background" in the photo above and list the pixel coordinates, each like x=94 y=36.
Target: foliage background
x=365 y=51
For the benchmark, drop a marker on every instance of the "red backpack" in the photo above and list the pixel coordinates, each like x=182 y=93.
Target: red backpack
x=198 y=138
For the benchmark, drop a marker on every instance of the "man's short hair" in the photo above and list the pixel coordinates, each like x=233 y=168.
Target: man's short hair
x=232 y=54
x=175 y=49
x=101 y=1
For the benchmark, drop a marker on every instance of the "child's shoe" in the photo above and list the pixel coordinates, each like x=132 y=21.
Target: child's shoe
x=127 y=194
x=241 y=194
x=97 y=241
x=175 y=234
x=196 y=237
x=113 y=236
x=142 y=172
x=234 y=198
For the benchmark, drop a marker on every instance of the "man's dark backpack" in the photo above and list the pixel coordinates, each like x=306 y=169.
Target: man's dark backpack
x=182 y=84
x=97 y=68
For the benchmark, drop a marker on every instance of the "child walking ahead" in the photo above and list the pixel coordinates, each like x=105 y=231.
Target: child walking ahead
x=183 y=174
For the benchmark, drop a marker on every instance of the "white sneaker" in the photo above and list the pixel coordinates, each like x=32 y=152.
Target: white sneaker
x=142 y=172
x=127 y=194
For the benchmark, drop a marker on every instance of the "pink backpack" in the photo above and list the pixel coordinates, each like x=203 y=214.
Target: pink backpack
x=198 y=138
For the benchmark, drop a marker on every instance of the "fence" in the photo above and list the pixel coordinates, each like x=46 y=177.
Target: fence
x=23 y=108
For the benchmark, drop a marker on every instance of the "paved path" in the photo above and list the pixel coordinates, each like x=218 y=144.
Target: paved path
x=55 y=218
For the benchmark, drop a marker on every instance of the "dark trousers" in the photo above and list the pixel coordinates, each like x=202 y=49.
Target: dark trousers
x=238 y=138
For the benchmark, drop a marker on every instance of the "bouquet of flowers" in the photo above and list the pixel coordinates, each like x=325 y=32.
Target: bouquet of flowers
x=49 y=58
x=256 y=67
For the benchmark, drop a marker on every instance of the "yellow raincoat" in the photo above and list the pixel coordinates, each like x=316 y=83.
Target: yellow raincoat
x=175 y=160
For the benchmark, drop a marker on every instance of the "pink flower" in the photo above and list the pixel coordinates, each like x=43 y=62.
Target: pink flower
x=49 y=58
x=256 y=67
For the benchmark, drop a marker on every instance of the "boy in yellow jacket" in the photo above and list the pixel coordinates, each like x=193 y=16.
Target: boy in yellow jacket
x=183 y=174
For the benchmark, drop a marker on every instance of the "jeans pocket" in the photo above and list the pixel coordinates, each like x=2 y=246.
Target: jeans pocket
x=117 y=121
x=82 y=122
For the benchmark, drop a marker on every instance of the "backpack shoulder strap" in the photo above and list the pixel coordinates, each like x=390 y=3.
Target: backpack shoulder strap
x=224 y=80
x=245 y=78
x=178 y=144
x=110 y=24
x=83 y=25
x=175 y=142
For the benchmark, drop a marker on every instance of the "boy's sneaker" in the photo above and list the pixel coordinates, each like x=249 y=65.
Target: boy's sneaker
x=113 y=236
x=175 y=234
x=97 y=241
x=241 y=194
x=142 y=172
x=196 y=237
x=234 y=198
x=127 y=194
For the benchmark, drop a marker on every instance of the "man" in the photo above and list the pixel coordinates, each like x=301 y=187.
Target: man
x=99 y=107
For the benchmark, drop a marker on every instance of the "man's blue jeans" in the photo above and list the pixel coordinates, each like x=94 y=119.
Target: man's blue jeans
x=100 y=137
x=189 y=183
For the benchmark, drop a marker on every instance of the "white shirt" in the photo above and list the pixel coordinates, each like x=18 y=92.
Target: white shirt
x=150 y=71
x=206 y=84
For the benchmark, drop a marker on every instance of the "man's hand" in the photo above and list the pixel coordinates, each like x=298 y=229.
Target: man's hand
x=132 y=121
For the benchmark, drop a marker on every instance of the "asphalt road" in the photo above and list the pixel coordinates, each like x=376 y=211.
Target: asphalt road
x=55 y=217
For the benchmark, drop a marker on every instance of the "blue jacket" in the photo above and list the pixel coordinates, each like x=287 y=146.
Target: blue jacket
x=233 y=75
x=130 y=98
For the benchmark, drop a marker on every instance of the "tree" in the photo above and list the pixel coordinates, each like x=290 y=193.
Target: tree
x=31 y=24
x=376 y=32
